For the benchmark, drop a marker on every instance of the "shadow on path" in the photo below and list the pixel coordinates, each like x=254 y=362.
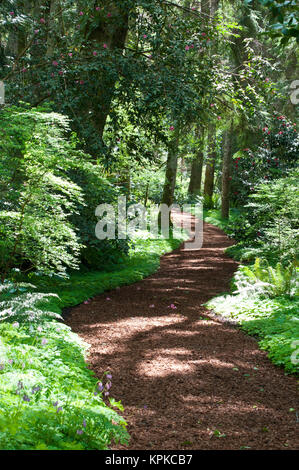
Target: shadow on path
x=183 y=377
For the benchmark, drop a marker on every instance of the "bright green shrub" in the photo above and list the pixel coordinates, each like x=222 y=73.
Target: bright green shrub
x=49 y=191
x=265 y=304
x=96 y=254
x=268 y=225
x=264 y=279
x=36 y=196
x=48 y=397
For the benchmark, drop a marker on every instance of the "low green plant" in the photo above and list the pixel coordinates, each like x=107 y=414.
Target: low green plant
x=264 y=303
x=48 y=397
x=264 y=279
x=213 y=202
x=268 y=224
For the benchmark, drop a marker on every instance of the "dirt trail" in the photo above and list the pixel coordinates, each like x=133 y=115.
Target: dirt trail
x=173 y=369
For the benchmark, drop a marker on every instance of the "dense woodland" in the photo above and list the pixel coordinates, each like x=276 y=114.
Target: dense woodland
x=160 y=101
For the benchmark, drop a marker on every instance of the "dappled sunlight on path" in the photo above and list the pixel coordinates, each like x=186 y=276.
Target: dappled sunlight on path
x=186 y=380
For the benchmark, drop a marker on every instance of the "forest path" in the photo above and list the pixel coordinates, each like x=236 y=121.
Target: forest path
x=187 y=380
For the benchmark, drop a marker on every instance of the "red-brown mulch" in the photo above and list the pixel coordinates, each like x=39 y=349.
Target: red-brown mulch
x=173 y=369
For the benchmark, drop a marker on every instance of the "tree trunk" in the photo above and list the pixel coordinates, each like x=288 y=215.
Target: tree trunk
x=171 y=170
x=211 y=160
x=196 y=174
x=127 y=183
x=211 y=157
x=205 y=7
x=16 y=40
x=226 y=167
x=196 y=169
x=113 y=35
x=51 y=39
x=214 y=6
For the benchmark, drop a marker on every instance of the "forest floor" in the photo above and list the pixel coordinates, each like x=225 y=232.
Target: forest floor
x=187 y=380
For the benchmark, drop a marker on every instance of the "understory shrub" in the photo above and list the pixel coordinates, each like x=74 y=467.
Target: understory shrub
x=265 y=303
x=36 y=196
x=265 y=280
x=49 y=399
x=275 y=157
x=268 y=225
x=49 y=191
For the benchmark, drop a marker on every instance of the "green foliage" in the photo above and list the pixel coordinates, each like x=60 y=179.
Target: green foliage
x=284 y=18
x=274 y=158
x=49 y=399
x=213 y=202
x=49 y=192
x=275 y=320
x=269 y=224
x=32 y=307
x=265 y=294
x=88 y=69
x=36 y=194
x=264 y=279
x=213 y=217
x=97 y=189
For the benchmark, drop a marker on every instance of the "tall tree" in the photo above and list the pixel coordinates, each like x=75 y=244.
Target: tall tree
x=211 y=144
x=210 y=162
x=226 y=171
x=197 y=165
x=171 y=168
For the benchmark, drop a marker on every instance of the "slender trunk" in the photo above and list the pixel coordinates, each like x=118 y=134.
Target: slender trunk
x=211 y=157
x=196 y=169
x=214 y=6
x=227 y=157
x=146 y=194
x=171 y=170
x=205 y=7
x=196 y=174
x=211 y=160
x=125 y=182
x=51 y=40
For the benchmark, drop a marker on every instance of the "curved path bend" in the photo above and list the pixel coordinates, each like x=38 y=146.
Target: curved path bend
x=175 y=369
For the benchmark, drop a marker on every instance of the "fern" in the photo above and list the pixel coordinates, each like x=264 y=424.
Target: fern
x=264 y=279
x=30 y=307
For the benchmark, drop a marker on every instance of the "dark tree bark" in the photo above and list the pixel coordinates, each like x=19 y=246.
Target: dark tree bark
x=196 y=174
x=210 y=8
x=54 y=8
x=114 y=35
x=210 y=164
x=126 y=182
x=171 y=170
x=226 y=170
x=196 y=169
x=214 y=6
